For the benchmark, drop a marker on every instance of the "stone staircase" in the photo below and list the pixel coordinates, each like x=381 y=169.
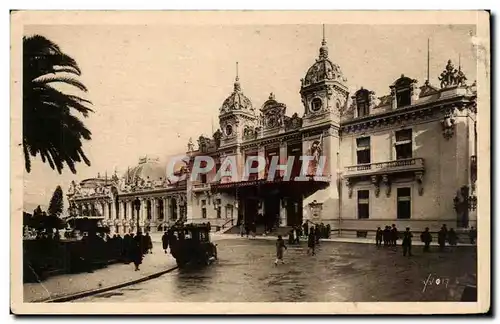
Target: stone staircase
x=283 y=231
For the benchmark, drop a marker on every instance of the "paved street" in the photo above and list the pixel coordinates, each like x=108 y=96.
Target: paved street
x=340 y=272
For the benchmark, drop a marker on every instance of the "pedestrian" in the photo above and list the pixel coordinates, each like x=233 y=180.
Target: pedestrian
x=442 y=235
x=328 y=230
x=386 y=235
x=407 y=235
x=394 y=235
x=291 y=237
x=242 y=229
x=311 y=242
x=452 y=237
x=164 y=241
x=378 y=237
x=149 y=244
x=306 y=228
x=297 y=234
x=254 y=229
x=426 y=238
x=280 y=248
x=247 y=229
x=472 y=235
x=137 y=250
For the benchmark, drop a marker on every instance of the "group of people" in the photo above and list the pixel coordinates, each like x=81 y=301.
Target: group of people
x=313 y=234
x=130 y=248
x=390 y=235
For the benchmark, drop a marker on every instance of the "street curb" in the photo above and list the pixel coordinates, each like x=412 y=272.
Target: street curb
x=101 y=290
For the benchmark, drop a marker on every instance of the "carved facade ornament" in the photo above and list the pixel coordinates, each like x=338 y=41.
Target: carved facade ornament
x=190 y=145
x=387 y=183
x=448 y=126
x=294 y=122
x=217 y=137
x=349 y=186
x=376 y=184
x=451 y=76
x=419 y=178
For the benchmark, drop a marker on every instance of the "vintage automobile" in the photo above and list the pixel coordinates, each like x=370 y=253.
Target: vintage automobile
x=190 y=245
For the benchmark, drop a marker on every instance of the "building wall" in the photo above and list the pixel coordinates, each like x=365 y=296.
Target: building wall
x=446 y=169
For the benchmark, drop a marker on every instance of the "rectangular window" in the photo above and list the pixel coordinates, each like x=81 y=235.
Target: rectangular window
x=403 y=97
x=218 y=203
x=363 y=150
x=363 y=108
x=203 y=212
x=403 y=145
x=404 y=203
x=363 y=204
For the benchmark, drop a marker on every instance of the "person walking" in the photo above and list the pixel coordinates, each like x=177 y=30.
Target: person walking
x=311 y=242
x=407 y=235
x=280 y=249
x=426 y=238
x=164 y=241
x=442 y=235
x=452 y=237
x=149 y=243
x=394 y=235
x=242 y=229
x=378 y=237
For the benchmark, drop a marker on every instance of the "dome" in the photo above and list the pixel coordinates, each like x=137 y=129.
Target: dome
x=237 y=101
x=323 y=69
x=148 y=169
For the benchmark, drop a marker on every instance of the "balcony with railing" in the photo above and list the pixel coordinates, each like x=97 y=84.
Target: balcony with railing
x=388 y=167
x=199 y=186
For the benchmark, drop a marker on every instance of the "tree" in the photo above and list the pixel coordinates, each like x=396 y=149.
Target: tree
x=56 y=202
x=49 y=127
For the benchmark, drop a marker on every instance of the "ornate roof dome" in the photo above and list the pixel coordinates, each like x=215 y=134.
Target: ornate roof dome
x=147 y=169
x=323 y=69
x=237 y=101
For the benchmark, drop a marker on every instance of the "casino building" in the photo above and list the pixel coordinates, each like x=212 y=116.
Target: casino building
x=407 y=157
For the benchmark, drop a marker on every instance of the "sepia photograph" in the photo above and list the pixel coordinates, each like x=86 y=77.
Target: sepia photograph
x=304 y=162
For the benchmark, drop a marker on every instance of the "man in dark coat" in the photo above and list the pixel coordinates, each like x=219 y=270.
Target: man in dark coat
x=311 y=242
x=394 y=235
x=452 y=237
x=378 y=237
x=387 y=235
x=407 y=235
x=137 y=250
x=442 y=235
x=426 y=238
x=306 y=228
x=164 y=241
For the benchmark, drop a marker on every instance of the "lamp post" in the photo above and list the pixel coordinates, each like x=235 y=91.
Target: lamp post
x=137 y=205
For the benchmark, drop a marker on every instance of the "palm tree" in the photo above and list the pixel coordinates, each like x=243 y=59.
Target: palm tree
x=49 y=128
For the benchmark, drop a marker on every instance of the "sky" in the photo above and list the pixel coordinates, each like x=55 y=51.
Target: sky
x=153 y=87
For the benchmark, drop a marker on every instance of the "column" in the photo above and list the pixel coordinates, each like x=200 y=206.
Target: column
x=262 y=153
x=168 y=214
x=165 y=219
x=154 y=209
x=283 y=157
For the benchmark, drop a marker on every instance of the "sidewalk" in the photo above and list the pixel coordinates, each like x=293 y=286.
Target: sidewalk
x=217 y=236
x=115 y=274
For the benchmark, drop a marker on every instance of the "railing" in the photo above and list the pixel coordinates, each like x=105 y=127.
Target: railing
x=396 y=165
x=201 y=186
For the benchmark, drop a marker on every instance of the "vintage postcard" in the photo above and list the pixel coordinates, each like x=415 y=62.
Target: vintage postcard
x=304 y=162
